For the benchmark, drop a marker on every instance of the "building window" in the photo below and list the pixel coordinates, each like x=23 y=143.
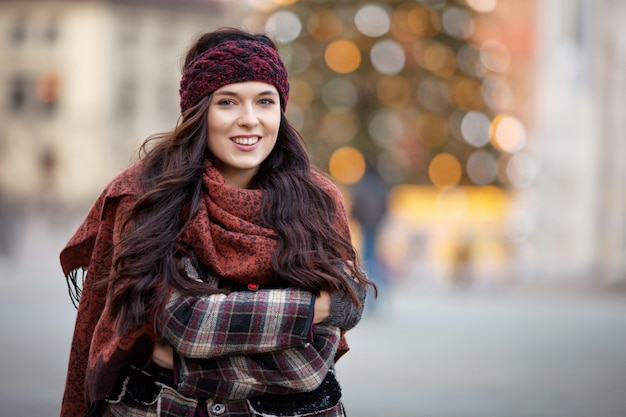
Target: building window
x=127 y=99
x=18 y=94
x=19 y=30
x=51 y=31
x=48 y=89
x=128 y=30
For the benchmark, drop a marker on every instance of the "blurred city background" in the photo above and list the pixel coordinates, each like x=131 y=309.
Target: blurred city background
x=479 y=144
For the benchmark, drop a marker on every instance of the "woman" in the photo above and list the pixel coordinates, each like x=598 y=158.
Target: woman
x=221 y=254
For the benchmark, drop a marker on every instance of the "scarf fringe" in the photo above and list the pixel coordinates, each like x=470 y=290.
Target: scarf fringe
x=75 y=280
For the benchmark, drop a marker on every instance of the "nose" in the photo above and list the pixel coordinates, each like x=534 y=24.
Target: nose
x=247 y=117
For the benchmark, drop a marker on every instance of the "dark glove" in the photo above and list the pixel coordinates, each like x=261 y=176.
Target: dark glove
x=343 y=312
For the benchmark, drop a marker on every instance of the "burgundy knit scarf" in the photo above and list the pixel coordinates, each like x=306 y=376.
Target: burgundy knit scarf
x=226 y=233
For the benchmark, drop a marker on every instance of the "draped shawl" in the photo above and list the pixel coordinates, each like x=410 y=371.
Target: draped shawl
x=226 y=234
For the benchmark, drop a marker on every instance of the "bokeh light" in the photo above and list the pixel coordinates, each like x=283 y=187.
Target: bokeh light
x=482 y=167
x=497 y=94
x=468 y=60
x=457 y=22
x=347 y=165
x=466 y=93
x=437 y=58
x=475 y=128
x=386 y=128
x=297 y=57
x=284 y=2
x=507 y=133
x=284 y=25
x=495 y=56
x=414 y=21
x=522 y=169
x=387 y=57
x=340 y=94
x=445 y=170
x=372 y=20
x=482 y=6
x=343 y=56
x=434 y=95
x=324 y=26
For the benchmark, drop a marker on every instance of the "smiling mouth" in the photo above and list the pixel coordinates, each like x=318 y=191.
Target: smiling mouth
x=246 y=141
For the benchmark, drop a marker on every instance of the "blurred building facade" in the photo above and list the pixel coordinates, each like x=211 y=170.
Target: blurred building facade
x=607 y=52
x=576 y=204
x=84 y=83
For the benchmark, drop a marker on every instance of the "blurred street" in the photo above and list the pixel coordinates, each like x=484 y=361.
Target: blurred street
x=500 y=353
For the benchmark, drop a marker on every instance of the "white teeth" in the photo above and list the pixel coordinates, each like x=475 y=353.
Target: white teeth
x=246 y=141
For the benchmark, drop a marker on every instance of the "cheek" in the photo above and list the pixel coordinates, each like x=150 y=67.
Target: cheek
x=276 y=123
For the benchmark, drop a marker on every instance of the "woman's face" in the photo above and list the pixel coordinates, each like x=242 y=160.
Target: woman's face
x=243 y=120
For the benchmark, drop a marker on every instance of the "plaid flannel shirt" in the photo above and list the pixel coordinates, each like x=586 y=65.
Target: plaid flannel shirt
x=245 y=344
x=233 y=347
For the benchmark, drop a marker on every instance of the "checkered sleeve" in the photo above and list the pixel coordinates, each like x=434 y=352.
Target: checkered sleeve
x=238 y=323
x=297 y=369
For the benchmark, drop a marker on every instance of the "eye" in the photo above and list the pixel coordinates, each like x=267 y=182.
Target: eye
x=226 y=102
x=267 y=101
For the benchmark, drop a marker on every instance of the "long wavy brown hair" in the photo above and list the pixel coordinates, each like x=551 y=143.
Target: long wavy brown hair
x=298 y=209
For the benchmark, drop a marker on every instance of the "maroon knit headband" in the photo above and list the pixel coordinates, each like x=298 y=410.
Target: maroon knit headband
x=232 y=62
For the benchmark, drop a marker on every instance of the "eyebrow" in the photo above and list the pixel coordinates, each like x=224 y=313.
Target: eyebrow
x=234 y=94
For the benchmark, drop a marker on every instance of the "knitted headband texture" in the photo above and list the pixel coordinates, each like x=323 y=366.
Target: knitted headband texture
x=232 y=62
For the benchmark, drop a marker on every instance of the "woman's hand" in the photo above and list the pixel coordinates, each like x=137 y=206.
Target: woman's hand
x=322 y=307
x=163 y=355
x=344 y=312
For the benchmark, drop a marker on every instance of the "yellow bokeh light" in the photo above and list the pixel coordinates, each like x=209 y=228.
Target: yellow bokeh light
x=440 y=60
x=444 y=171
x=507 y=133
x=285 y=2
x=347 y=165
x=324 y=26
x=423 y=22
x=435 y=57
x=399 y=26
x=466 y=93
x=342 y=56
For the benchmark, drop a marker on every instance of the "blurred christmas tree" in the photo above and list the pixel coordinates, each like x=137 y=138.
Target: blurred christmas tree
x=421 y=89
